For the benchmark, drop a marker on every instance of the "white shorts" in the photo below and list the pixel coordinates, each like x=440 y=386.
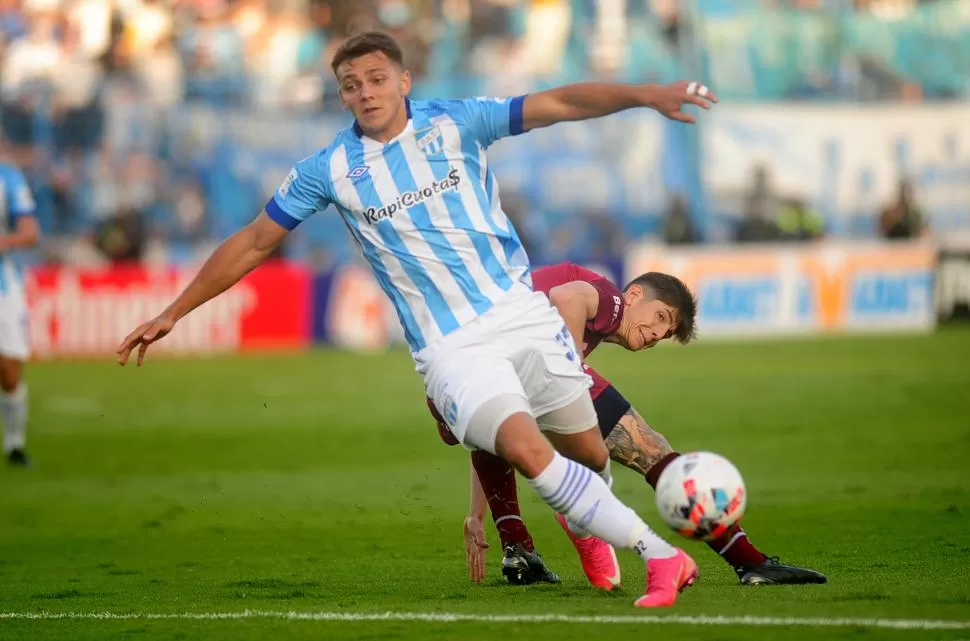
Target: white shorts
x=14 y=341
x=521 y=347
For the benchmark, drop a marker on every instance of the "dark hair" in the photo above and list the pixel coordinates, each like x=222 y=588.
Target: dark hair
x=364 y=43
x=672 y=291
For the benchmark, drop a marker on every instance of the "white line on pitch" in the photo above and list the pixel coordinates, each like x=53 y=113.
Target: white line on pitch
x=446 y=617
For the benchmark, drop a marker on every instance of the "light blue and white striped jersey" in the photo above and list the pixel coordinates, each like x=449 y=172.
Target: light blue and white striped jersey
x=424 y=209
x=15 y=201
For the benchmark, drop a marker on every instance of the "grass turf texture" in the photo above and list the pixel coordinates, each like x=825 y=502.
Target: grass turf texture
x=318 y=483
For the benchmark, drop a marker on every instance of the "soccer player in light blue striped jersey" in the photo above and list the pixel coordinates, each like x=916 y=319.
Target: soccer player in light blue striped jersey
x=411 y=182
x=18 y=230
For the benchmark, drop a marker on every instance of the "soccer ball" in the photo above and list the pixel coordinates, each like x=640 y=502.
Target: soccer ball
x=701 y=495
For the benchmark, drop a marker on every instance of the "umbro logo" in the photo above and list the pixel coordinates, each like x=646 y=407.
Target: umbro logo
x=357 y=172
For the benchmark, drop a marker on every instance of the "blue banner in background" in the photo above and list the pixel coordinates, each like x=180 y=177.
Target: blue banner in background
x=320 y=291
x=351 y=311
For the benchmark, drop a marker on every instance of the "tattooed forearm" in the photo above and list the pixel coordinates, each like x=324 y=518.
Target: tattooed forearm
x=635 y=445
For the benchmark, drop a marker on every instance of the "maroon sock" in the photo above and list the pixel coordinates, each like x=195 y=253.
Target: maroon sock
x=498 y=481
x=653 y=474
x=733 y=546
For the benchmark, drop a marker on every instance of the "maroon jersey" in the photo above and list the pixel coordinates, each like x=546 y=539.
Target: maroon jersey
x=609 y=310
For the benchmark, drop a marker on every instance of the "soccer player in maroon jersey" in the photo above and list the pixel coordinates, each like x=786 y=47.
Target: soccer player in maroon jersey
x=652 y=308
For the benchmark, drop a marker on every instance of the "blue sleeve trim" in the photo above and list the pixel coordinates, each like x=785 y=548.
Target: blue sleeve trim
x=515 y=116
x=20 y=214
x=280 y=217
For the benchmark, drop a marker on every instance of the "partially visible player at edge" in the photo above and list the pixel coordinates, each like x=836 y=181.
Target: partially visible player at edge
x=411 y=181
x=651 y=308
x=18 y=230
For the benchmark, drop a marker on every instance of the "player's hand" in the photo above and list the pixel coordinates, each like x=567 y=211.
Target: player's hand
x=143 y=336
x=475 y=546
x=670 y=99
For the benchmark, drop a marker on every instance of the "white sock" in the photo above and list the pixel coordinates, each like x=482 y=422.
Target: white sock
x=607 y=477
x=13 y=408
x=584 y=498
x=649 y=545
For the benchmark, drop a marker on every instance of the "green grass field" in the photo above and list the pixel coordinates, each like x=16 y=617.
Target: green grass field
x=317 y=484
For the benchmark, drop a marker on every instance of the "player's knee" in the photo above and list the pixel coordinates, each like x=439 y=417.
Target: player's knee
x=592 y=451
x=598 y=455
x=528 y=458
x=586 y=447
x=9 y=383
x=521 y=444
x=9 y=375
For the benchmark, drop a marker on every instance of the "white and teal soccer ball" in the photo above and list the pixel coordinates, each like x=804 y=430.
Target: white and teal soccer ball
x=701 y=495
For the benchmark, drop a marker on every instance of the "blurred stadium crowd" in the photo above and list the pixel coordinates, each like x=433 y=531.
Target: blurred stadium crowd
x=128 y=115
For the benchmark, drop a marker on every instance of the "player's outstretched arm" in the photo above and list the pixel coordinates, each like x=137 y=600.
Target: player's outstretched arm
x=474 y=530
x=26 y=233
x=234 y=258
x=577 y=303
x=587 y=100
x=636 y=445
x=477 y=502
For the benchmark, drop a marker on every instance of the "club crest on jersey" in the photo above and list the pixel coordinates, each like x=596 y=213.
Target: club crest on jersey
x=430 y=141
x=358 y=172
